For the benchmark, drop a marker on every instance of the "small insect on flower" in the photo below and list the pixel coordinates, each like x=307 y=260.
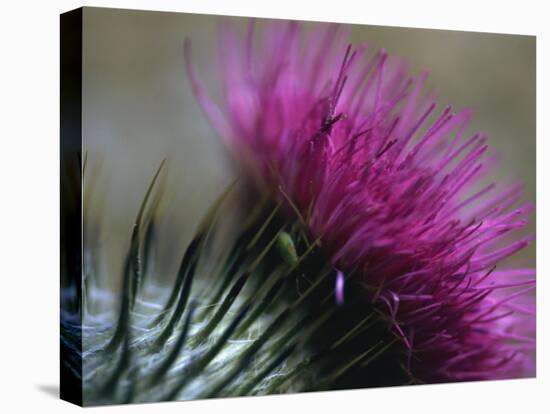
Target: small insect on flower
x=286 y=248
x=394 y=191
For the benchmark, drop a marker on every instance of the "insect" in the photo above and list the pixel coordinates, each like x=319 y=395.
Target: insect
x=287 y=249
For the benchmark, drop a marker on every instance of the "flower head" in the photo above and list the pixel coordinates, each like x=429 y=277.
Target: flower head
x=391 y=185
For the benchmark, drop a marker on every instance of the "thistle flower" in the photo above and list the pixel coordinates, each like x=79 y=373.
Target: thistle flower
x=394 y=192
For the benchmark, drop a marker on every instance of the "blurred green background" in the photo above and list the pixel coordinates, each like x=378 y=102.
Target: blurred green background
x=138 y=108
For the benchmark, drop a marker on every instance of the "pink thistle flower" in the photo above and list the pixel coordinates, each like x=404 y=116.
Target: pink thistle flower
x=393 y=190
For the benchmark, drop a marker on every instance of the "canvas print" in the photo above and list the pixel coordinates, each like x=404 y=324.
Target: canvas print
x=256 y=206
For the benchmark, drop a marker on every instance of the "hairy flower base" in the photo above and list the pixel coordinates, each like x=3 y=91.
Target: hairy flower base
x=259 y=319
x=395 y=193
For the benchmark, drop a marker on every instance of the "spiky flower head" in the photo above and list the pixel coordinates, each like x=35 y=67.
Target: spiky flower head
x=393 y=186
